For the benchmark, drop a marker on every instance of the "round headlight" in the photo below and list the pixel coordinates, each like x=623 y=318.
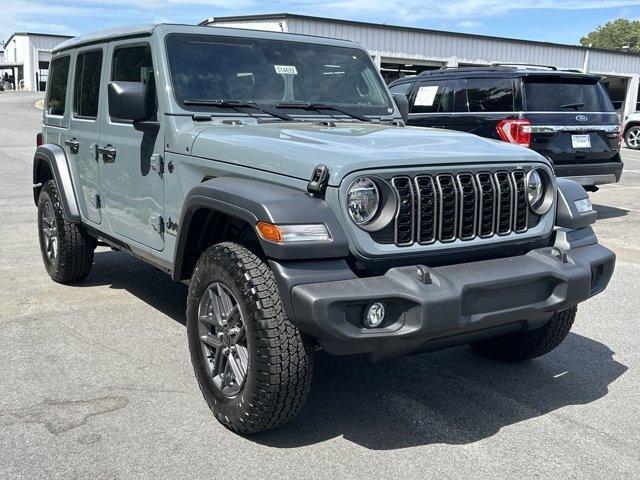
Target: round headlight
x=540 y=191
x=363 y=199
x=535 y=188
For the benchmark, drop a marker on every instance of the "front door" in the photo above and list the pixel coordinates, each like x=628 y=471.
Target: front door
x=131 y=175
x=84 y=130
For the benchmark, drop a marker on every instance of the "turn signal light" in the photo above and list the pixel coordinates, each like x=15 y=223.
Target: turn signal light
x=268 y=231
x=293 y=233
x=39 y=139
x=515 y=130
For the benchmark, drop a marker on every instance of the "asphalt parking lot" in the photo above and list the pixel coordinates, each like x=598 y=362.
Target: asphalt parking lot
x=96 y=382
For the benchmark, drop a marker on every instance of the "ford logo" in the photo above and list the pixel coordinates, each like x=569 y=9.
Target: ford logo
x=582 y=118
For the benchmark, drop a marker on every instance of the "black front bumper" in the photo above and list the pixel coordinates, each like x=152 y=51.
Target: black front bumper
x=432 y=308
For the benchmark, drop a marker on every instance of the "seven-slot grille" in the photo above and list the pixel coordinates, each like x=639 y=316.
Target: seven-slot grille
x=449 y=207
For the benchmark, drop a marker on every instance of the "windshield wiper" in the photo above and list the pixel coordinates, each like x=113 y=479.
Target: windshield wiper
x=576 y=105
x=322 y=106
x=235 y=104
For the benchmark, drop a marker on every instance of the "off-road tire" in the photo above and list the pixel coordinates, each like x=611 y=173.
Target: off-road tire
x=535 y=343
x=632 y=137
x=280 y=358
x=75 y=246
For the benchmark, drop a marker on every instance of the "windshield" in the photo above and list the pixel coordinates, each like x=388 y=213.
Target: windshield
x=271 y=72
x=565 y=95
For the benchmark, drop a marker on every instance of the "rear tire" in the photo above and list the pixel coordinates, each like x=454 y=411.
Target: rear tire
x=257 y=376
x=535 y=343
x=632 y=137
x=66 y=247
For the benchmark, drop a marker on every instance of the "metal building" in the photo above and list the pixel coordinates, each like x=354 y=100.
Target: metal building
x=26 y=59
x=400 y=51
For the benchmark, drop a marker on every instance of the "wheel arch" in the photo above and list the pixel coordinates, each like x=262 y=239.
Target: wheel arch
x=239 y=204
x=629 y=125
x=50 y=163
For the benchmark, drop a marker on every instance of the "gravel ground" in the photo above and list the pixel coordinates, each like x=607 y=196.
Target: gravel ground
x=96 y=381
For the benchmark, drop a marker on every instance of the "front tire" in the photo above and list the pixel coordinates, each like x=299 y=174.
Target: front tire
x=66 y=247
x=535 y=343
x=253 y=366
x=632 y=137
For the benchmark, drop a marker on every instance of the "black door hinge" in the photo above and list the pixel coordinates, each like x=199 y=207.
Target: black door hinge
x=319 y=180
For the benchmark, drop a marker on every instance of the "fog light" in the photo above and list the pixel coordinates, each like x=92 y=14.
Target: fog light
x=374 y=316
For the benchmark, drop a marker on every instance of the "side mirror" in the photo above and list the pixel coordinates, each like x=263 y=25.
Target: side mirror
x=403 y=104
x=128 y=101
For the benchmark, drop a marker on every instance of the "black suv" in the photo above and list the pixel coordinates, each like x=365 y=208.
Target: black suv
x=566 y=116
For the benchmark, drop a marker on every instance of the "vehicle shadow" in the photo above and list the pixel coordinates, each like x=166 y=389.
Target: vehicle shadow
x=122 y=271
x=606 y=211
x=453 y=396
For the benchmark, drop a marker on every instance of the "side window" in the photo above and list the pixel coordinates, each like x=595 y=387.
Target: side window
x=58 y=86
x=134 y=64
x=433 y=97
x=401 y=88
x=87 y=84
x=490 y=94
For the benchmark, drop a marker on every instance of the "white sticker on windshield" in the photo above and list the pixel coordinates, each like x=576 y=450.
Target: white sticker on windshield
x=286 y=69
x=426 y=96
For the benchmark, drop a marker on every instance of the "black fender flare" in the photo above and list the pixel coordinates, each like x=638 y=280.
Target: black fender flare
x=254 y=201
x=567 y=214
x=56 y=158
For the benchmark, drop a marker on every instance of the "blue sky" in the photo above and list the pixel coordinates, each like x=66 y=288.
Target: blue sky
x=563 y=21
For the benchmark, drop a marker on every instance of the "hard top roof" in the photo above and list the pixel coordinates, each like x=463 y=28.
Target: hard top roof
x=132 y=31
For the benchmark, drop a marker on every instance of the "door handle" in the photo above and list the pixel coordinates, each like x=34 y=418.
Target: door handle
x=108 y=153
x=73 y=144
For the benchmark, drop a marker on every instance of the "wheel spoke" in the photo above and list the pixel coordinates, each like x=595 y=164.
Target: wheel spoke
x=226 y=304
x=211 y=340
x=236 y=368
x=215 y=303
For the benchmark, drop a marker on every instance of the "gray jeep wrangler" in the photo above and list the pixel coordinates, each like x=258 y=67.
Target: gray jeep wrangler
x=273 y=173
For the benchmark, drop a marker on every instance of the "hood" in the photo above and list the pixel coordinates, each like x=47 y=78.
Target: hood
x=295 y=149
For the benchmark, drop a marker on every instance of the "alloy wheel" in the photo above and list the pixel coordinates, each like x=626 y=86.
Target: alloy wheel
x=49 y=232
x=223 y=337
x=633 y=138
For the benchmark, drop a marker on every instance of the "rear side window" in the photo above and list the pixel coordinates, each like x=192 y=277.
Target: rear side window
x=554 y=94
x=87 y=84
x=490 y=94
x=433 y=97
x=58 y=86
x=134 y=64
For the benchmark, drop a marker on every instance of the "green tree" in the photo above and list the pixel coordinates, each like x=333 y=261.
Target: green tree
x=614 y=35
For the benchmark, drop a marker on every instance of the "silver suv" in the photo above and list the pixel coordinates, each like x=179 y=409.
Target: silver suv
x=274 y=174
x=631 y=131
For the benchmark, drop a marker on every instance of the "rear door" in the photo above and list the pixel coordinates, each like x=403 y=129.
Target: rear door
x=431 y=104
x=84 y=130
x=481 y=103
x=132 y=178
x=573 y=119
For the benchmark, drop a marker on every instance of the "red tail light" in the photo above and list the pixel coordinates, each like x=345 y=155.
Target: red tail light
x=39 y=139
x=515 y=130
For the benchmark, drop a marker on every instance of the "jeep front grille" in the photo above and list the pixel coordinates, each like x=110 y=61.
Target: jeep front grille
x=448 y=207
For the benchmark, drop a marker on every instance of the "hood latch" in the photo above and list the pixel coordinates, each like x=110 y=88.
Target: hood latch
x=319 y=180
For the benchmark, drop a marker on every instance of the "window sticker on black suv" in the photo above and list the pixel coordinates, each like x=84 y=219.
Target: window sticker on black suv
x=58 y=86
x=433 y=97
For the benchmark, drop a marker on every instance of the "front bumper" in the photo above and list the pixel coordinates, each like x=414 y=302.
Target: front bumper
x=432 y=308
